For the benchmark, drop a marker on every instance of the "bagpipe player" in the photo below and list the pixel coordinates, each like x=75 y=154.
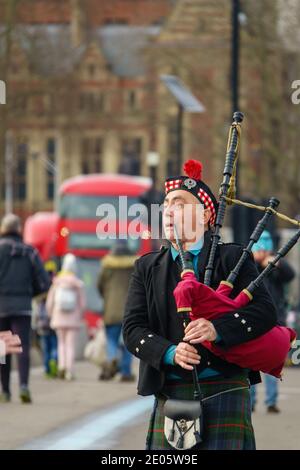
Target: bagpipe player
x=154 y=332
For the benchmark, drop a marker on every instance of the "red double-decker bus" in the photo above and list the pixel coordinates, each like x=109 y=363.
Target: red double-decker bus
x=79 y=199
x=75 y=226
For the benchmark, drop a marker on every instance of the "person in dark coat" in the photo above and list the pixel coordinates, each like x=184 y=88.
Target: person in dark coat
x=153 y=330
x=276 y=284
x=113 y=282
x=22 y=276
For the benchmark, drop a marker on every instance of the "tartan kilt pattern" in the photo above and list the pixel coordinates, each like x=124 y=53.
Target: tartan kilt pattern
x=227 y=417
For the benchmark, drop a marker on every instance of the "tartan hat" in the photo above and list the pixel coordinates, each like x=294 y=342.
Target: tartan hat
x=192 y=182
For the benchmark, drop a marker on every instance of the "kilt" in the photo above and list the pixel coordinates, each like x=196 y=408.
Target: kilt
x=226 y=417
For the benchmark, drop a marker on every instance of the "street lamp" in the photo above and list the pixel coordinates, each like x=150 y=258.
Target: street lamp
x=9 y=162
x=186 y=101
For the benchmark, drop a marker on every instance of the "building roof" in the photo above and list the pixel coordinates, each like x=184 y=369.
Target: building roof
x=123 y=47
x=50 y=51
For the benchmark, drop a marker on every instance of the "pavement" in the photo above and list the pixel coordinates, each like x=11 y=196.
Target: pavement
x=89 y=414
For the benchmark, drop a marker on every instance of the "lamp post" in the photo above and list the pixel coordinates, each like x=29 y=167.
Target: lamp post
x=9 y=161
x=152 y=160
x=186 y=101
x=235 y=47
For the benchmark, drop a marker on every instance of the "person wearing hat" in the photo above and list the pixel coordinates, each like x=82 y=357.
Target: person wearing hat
x=154 y=333
x=22 y=277
x=276 y=284
x=113 y=282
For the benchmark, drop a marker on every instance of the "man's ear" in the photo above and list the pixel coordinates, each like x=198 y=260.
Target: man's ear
x=206 y=216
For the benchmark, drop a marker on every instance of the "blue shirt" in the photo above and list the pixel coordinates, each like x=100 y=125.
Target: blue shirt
x=194 y=250
x=170 y=353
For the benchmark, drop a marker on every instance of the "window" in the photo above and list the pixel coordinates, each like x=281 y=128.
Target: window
x=101 y=102
x=20 y=103
x=131 y=100
x=92 y=102
x=74 y=206
x=172 y=146
x=91 y=155
x=91 y=70
x=120 y=21
x=131 y=156
x=20 y=173
x=50 y=168
x=14 y=67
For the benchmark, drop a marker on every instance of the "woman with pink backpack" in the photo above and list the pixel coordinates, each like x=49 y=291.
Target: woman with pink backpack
x=65 y=305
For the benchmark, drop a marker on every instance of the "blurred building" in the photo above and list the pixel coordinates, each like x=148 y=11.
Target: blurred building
x=84 y=93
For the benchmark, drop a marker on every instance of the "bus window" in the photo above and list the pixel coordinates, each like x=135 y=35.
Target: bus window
x=74 y=206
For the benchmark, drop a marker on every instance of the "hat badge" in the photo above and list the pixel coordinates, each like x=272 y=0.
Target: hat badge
x=190 y=183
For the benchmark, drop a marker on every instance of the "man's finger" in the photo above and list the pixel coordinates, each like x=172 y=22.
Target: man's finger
x=187 y=347
x=201 y=338
x=14 y=350
x=191 y=325
x=193 y=354
x=189 y=358
x=200 y=331
x=5 y=334
x=16 y=339
x=185 y=366
x=191 y=332
x=194 y=324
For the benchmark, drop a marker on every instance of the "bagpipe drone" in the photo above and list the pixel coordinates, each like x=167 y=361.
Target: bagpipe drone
x=195 y=299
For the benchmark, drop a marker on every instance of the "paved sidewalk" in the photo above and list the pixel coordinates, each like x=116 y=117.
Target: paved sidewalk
x=57 y=403
x=90 y=414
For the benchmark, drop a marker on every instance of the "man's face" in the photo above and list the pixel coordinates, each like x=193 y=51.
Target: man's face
x=184 y=210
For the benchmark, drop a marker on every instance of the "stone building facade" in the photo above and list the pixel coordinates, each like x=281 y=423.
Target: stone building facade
x=85 y=95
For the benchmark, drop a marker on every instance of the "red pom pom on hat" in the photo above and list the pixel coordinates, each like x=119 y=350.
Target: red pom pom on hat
x=193 y=169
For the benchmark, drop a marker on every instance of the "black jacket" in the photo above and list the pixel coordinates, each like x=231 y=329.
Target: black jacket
x=275 y=283
x=22 y=275
x=145 y=317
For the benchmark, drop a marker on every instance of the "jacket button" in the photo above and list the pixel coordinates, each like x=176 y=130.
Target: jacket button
x=137 y=350
x=150 y=336
x=208 y=363
x=249 y=329
x=243 y=321
x=236 y=315
x=142 y=341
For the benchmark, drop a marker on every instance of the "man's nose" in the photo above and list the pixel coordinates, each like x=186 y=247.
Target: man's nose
x=168 y=211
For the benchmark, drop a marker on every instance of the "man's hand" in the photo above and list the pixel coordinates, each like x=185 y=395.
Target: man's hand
x=12 y=342
x=200 y=330
x=185 y=355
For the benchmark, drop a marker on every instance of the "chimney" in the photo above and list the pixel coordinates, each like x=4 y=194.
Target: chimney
x=78 y=22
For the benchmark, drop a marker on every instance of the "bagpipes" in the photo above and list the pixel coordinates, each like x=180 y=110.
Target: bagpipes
x=195 y=300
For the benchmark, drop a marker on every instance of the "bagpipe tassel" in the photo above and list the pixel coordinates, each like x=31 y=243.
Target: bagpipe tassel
x=180 y=442
x=172 y=433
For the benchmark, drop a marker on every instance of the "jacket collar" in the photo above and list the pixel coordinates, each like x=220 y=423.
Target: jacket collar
x=12 y=235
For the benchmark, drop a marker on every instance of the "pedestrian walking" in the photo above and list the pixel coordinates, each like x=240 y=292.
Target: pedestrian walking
x=48 y=339
x=113 y=283
x=22 y=276
x=65 y=305
x=276 y=283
